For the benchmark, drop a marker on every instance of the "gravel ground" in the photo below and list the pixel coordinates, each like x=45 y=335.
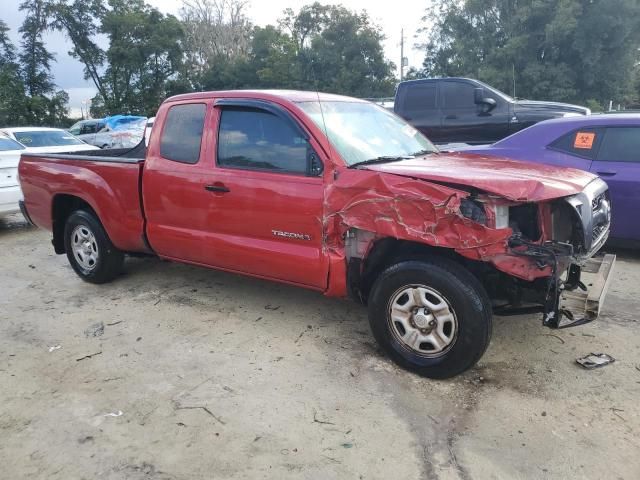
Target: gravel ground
x=176 y=372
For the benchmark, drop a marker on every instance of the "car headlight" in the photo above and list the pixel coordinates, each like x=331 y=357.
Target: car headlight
x=473 y=210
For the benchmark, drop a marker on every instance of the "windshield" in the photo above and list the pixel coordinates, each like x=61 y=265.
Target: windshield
x=8 y=144
x=362 y=131
x=46 y=138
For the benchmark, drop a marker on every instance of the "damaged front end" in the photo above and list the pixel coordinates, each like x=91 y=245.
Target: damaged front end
x=569 y=232
x=530 y=254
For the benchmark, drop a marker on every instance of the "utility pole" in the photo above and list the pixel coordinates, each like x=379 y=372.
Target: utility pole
x=401 y=54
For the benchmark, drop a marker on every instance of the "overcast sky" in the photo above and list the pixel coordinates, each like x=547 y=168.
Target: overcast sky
x=68 y=73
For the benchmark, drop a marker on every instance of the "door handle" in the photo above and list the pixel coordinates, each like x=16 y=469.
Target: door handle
x=218 y=188
x=606 y=173
x=450 y=117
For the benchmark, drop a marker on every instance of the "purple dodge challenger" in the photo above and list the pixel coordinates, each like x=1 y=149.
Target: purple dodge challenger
x=607 y=145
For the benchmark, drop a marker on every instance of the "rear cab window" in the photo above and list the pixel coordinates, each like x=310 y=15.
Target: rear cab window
x=582 y=142
x=182 y=133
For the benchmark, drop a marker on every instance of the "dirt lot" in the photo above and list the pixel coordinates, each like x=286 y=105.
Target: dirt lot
x=201 y=374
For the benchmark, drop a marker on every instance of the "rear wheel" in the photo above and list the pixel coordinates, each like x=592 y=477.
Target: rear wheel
x=431 y=316
x=89 y=250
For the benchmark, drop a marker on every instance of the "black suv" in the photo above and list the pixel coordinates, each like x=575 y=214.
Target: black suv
x=464 y=110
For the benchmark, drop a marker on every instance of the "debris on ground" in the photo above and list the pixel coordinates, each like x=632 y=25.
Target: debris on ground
x=119 y=413
x=595 y=360
x=88 y=356
x=55 y=347
x=94 y=330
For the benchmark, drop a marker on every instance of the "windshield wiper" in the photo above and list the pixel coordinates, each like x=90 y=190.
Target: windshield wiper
x=382 y=159
x=423 y=152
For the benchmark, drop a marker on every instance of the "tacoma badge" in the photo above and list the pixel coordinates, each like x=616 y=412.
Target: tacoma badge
x=297 y=236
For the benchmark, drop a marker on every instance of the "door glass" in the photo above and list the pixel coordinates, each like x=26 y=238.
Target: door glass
x=182 y=133
x=253 y=139
x=620 y=144
x=456 y=95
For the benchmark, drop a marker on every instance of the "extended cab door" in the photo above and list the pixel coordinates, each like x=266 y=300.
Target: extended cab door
x=466 y=120
x=250 y=200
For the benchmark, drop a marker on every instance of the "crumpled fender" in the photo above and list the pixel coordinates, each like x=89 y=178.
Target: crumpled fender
x=410 y=209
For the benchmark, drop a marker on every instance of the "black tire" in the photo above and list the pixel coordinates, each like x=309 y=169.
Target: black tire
x=464 y=296
x=108 y=259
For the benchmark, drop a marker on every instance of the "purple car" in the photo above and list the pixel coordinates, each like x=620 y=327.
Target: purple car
x=607 y=145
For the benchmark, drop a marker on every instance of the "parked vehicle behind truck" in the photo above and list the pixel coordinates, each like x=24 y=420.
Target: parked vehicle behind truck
x=10 y=193
x=464 y=110
x=340 y=196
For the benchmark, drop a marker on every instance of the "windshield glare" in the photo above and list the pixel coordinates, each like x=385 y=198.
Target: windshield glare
x=46 y=138
x=362 y=131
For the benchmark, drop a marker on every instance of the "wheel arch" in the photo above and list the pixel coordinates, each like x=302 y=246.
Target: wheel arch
x=62 y=206
x=364 y=266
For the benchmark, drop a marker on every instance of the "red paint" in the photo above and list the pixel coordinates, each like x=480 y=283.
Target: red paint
x=415 y=200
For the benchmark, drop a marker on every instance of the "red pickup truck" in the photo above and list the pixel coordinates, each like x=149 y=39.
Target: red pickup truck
x=337 y=195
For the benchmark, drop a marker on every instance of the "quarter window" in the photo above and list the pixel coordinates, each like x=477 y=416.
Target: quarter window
x=182 y=133
x=254 y=139
x=620 y=144
x=580 y=143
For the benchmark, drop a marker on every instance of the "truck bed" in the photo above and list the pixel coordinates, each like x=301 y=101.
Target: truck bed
x=106 y=181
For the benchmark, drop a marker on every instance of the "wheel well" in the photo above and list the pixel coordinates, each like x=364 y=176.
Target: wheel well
x=384 y=253
x=63 y=206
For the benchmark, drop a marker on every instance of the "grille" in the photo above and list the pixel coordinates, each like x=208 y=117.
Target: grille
x=597 y=231
x=595 y=203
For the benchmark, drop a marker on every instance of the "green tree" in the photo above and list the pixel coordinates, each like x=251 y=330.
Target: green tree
x=12 y=94
x=320 y=47
x=34 y=57
x=550 y=49
x=143 y=57
x=39 y=102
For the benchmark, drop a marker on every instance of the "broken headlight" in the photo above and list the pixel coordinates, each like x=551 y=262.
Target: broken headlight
x=473 y=210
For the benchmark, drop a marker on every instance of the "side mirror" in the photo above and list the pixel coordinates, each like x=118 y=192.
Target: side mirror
x=489 y=104
x=486 y=104
x=314 y=165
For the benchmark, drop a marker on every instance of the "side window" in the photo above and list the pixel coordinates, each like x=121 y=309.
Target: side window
x=254 y=139
x=182 y=133
x=583 y=142
x=418 y=97
x=620 y=144
x=457 y=95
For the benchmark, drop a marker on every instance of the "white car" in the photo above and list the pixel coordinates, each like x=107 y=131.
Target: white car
x=14 y=141
x=10 y=193
x=47 y=140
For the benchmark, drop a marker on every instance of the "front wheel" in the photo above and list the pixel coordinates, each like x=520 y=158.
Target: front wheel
x=431 y=316
x=89 y=250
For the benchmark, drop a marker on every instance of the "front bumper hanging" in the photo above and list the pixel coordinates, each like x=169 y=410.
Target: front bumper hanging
x=577 y=303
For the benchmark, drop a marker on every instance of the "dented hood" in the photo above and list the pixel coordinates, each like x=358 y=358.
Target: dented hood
x=512 y=179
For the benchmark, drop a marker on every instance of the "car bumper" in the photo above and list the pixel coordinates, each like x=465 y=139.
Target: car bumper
x=25 y=214
x=9 y=198
x=578 y=306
